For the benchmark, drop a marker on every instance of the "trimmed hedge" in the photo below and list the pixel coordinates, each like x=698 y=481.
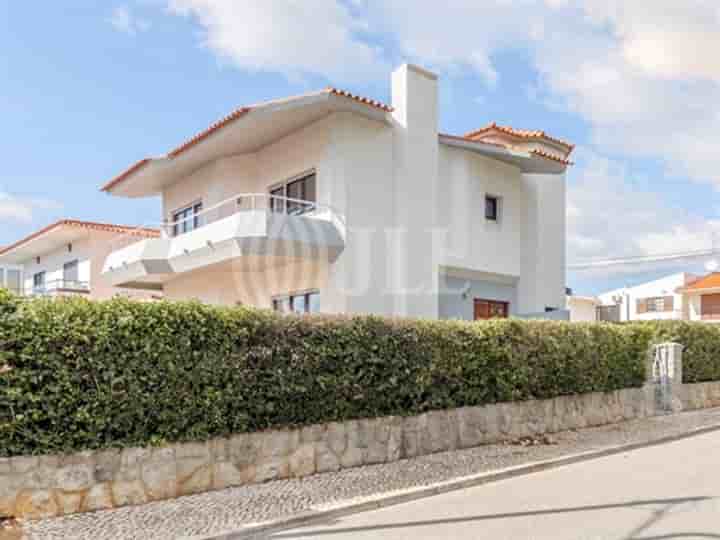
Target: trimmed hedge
x=88 y=375
x=701 y=347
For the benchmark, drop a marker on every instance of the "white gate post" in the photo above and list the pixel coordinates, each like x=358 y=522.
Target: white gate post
x=665 y=375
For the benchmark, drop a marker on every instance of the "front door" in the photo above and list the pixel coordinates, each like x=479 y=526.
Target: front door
x=490 y=309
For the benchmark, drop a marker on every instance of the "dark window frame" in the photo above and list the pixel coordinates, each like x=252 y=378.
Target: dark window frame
x=286 y=303
x=186 y=219
x=492 y=208
x=282 y=189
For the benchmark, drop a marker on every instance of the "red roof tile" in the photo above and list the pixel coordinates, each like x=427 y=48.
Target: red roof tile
x=237 y=113
x=518 y=133
x=711 y=281
x=90 y=225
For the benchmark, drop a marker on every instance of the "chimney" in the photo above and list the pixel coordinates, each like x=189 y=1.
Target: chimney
x=415 y=173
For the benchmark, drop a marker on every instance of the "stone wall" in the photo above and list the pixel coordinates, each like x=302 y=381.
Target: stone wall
x=44 y=486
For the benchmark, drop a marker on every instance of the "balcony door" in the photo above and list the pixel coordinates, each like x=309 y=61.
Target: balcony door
x=490 y=309
x=71 y=274
x=301 y=192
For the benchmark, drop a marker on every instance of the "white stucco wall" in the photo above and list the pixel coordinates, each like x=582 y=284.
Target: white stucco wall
x=542 y=262
x=471 y=241
x=52 y=264
x=582 y=309
x=224 y=178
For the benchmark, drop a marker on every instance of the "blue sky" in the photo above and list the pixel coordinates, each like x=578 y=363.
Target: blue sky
x=90 y=87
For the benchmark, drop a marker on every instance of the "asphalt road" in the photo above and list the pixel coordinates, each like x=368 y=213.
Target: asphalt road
x=663 y=492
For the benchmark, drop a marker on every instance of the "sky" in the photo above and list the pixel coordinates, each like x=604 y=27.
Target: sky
x=90 y=87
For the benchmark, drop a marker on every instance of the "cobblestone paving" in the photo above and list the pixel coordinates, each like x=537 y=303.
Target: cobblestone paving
x=231 y=509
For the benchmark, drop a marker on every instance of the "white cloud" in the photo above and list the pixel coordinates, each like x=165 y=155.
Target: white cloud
x=123 y=20
x=316 y=37
x=21 y=209
x=609 y=216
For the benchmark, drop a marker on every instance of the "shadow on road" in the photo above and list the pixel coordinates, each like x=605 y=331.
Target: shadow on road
x=667 y=504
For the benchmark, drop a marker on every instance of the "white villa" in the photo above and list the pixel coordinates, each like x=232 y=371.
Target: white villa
x=331 y=202
x=66 y=259
x=335 y=203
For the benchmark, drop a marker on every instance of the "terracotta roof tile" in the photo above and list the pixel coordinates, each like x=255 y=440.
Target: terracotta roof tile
x=553 y=157
x=711 y=281
x=518 y=133
x=237 y=113
x=90 y=225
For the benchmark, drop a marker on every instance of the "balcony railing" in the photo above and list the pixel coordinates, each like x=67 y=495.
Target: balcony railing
x=60 y=287
x=243 y=202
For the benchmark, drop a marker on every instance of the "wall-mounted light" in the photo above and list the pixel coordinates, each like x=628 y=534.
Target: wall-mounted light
x=466 y=290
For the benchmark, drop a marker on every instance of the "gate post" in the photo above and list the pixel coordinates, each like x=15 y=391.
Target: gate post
x=665 y=376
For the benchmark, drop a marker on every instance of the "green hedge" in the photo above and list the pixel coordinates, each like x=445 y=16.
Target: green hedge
x=87 y=375
x=701 y=346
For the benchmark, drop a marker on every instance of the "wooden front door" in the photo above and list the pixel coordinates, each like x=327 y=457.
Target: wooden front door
x=490 y=309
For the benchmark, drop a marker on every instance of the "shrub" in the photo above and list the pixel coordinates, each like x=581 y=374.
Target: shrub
x=88 y=375
x=701 y=347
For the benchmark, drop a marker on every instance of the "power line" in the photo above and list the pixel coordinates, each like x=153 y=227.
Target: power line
x=642 y=259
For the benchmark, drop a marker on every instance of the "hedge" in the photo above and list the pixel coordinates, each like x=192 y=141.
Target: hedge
x=87 y=375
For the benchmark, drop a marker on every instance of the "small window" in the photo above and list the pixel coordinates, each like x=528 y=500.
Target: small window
x=71 y=274
x=656 y=304
x=301 y=303
x=39 y=282
x=186 y=219
x=492 y=208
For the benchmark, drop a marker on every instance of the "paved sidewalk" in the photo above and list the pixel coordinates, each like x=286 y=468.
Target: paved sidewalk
x=232 y=509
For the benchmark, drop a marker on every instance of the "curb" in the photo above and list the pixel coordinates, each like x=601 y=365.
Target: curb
x=383 y=501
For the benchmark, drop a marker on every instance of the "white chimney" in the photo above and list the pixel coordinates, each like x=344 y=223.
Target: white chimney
x=415 y=157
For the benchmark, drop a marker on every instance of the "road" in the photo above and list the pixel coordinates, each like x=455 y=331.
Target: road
x=663 y=492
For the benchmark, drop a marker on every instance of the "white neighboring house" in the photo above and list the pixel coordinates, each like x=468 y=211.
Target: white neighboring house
x=583 y=308
x=331 y=202
x=65 y=259
x=654 y=300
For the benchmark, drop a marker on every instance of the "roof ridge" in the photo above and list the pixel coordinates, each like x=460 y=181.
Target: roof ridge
x=231 y=117
x=92 y=225
x=520 y=133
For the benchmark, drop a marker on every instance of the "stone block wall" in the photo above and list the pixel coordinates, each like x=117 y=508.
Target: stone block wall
x=43 y=486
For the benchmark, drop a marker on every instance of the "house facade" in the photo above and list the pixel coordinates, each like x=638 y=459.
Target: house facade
x=702 y=298
x=65 y=259
x=660 y=299
x=583 y=308
x=335 y=203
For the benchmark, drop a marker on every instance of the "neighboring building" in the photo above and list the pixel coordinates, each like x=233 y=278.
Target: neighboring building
x=64 y=259
x=702 y=298
x=583 y=308
x=331 y=202
x=658 y=299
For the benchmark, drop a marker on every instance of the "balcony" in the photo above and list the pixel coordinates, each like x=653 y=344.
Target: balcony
x=257 y=225
x=60 y=287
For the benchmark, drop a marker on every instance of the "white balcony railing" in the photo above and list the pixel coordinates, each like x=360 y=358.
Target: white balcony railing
x=243 y=202
x=60 y=287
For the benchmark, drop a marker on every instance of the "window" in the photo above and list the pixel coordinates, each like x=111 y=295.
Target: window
x=186 y=219
x=298 y=191
x=39 y=282
x=13 y=280
x=71 y=274
x=305 y=302
x=492 y=208
x=655 y=304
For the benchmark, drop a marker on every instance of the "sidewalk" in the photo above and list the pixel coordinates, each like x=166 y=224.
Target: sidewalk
x=221 y=512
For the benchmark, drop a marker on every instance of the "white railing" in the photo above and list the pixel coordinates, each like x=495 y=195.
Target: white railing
x=59 y=287
x=243 y=202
